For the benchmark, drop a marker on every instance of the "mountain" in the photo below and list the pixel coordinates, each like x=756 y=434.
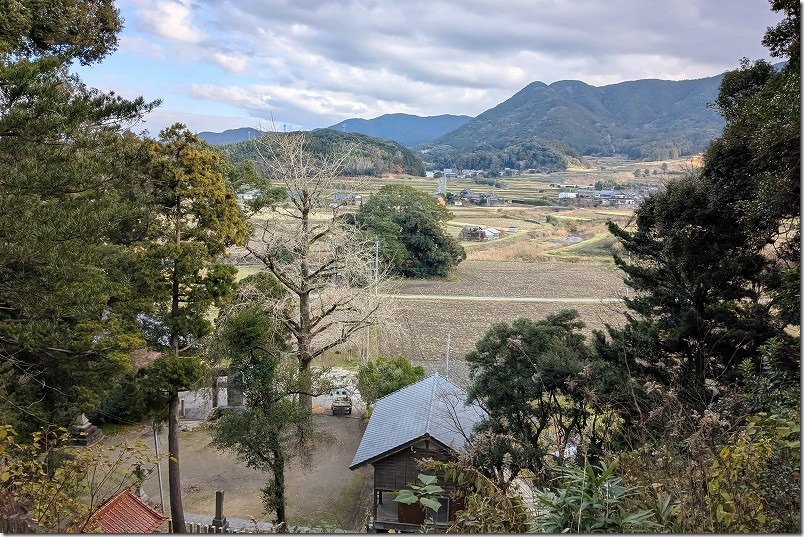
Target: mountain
x=370 y=156
x=406 y=129
x=655 y=119
x=230 y=136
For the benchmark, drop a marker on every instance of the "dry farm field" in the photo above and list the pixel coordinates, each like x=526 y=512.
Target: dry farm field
x=487 y=292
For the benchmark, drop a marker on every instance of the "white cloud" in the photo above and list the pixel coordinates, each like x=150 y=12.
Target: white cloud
x=139 y=45
x=171 y=19
x=159 y=119
x=234 y=63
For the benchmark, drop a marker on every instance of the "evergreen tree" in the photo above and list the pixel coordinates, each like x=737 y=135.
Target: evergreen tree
x=705 y=256
x=410 y=226
x=532 y=377
x=65 y=331
x=194 y=218
x=262 y=434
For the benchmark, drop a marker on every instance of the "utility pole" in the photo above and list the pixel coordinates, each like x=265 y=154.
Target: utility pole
x=373 y=278
x=159 y=471
x=446 y=373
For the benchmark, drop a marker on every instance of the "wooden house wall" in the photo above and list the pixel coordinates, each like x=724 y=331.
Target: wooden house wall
x=396 y=471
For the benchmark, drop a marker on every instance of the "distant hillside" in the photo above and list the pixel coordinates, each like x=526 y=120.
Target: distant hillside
x=406 y=129
x=230 y=136
x=653 y=119
x=372 y=156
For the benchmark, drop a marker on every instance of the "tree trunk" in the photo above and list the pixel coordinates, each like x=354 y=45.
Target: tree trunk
x=279 y=483
x=174 y=478
x=304 y=354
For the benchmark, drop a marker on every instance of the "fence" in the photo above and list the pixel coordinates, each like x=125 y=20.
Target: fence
x=18 y=523
x=193 y=527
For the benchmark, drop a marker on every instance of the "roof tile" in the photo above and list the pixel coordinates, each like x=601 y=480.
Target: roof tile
x=125 y=513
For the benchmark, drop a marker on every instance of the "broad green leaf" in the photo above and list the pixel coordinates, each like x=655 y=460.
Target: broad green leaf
x=406 y=496
x=427 y=479
x=435 y=505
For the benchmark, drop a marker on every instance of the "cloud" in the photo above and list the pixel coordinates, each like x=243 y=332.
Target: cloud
x=139 y=45
x=232 y=62
x=316 y=63
x=162 y=118
x=170 y=19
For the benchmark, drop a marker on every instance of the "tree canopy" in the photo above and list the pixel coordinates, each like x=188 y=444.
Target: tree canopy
x=65 y=329
x=252 y=340
x=410 y=226
x=706 y=255
x=532 y=378
x=377 y=378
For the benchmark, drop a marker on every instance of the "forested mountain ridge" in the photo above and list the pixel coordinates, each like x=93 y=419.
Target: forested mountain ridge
x=370 y=156
x=407 y=129
x=655 y=119
x=644 y=119
x=230 y=136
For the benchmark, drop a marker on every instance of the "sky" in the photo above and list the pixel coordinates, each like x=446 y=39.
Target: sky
x=303 y=64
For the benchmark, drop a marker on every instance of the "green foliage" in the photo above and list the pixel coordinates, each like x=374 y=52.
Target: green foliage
x=696 y=273
x=410 y=226
x=736 y=502
x=252 y=339
x=590 y=500
x=715 y=259
x=74 y=29
x=66 y=325
x=534 y=153
x=765 y=444
x=378 y=378
x=426 y=494
x=487 y=507
x=164 y=376
x=596 y=120
x=194 y=218
x=368 y=156
x=59 y=484
x=533 y=378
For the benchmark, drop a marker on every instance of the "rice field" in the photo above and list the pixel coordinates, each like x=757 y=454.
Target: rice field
x=486 y=292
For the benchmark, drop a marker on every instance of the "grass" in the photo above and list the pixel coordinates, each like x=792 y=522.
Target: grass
x=346 y=358
x=114 y=429
x=338 y=513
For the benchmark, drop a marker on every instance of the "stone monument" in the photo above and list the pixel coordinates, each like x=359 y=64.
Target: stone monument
x=84 y=433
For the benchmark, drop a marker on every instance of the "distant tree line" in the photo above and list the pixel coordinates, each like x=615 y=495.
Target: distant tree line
x=537 y=154
x=368 y=156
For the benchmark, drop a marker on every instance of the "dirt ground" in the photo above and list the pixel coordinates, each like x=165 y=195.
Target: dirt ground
x=326 y=495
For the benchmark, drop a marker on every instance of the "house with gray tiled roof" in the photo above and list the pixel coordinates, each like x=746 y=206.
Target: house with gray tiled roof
x=427 y=419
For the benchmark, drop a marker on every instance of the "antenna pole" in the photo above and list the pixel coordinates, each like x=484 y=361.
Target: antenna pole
x=446 y=373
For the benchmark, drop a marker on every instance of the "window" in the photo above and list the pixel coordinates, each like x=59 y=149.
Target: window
x=442 y=516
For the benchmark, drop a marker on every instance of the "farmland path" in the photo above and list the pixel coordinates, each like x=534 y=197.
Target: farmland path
x=501 y=298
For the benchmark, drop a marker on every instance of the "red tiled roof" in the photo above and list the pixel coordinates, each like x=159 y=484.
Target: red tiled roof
x=125 y=513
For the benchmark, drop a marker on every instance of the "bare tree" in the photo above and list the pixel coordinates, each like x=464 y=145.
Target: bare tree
x=323 y=263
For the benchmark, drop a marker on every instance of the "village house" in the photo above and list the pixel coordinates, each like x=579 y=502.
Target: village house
x=477 y=233
x=427 y=419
